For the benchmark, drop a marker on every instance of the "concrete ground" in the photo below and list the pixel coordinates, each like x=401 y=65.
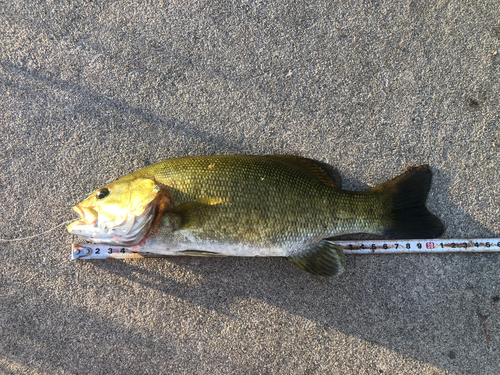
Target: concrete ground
x=92 y=90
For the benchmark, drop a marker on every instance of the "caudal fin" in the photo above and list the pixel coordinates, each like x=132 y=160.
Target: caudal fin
x=405 y=197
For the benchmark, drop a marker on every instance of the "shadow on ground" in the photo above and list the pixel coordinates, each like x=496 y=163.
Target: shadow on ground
x=429 y=307
x=433 y=308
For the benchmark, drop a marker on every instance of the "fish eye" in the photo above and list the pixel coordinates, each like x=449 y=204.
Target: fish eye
x=102 y=193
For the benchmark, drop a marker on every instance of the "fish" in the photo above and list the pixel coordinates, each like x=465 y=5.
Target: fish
x=249 y=205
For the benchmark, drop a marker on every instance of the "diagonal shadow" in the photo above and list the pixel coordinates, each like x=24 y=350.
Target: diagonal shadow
x=411 y=304
x=94 y=103
x=73 y=339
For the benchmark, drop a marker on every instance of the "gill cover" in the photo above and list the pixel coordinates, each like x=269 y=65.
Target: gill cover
x=120 y=213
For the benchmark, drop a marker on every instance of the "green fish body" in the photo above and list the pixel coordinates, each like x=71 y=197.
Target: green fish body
x=278 y=205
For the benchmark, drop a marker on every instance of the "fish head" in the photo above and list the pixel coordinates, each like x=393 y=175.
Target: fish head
x=121 y=213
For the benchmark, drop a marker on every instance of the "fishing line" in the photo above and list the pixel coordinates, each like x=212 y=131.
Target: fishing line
x=36 y=235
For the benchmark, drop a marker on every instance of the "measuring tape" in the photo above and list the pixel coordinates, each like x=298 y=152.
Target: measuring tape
x=472 y=245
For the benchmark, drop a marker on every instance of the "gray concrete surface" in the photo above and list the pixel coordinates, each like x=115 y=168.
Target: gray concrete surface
x=93 y=90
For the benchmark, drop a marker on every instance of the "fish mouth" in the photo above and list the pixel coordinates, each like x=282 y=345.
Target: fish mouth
x=88 y=219
x=88 y=215
x=129 y=232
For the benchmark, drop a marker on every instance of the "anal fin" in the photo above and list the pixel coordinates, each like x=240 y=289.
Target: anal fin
x=202 y=253
x=322 y=259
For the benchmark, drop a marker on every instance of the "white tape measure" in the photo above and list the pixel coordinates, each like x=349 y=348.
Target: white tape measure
x=473 y=245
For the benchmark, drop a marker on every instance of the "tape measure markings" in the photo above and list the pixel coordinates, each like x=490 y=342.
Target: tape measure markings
x=474 y=245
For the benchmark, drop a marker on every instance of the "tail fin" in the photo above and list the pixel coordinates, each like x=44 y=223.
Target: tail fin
x=406 y=195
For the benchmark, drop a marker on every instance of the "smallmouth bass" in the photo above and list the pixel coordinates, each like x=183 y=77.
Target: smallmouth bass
x=245 y=205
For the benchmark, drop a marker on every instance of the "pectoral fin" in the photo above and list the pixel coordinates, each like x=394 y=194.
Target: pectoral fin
x=193 y=214
x=322 y=259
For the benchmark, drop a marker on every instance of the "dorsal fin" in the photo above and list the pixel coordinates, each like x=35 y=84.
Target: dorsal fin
x=320 y=171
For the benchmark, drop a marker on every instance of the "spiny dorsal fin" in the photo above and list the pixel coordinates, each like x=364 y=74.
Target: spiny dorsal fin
x=190 y=212
x=322 y=259
x=323 y=172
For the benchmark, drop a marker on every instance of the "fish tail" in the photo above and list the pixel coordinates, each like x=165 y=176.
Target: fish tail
x=405 y=197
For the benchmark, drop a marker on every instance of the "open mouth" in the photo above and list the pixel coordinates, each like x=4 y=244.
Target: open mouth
x=118 y=225
x=130 y=230
x=88 y=220
x=88 y=215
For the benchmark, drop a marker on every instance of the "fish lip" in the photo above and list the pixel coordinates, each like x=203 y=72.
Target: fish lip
x=73 y=227
x=78 y=223
x=87 y=214
x=78 y=210
x=87 y=226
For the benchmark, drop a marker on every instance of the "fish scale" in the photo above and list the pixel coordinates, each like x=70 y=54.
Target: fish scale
x=277 y=205
x=270 y=205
